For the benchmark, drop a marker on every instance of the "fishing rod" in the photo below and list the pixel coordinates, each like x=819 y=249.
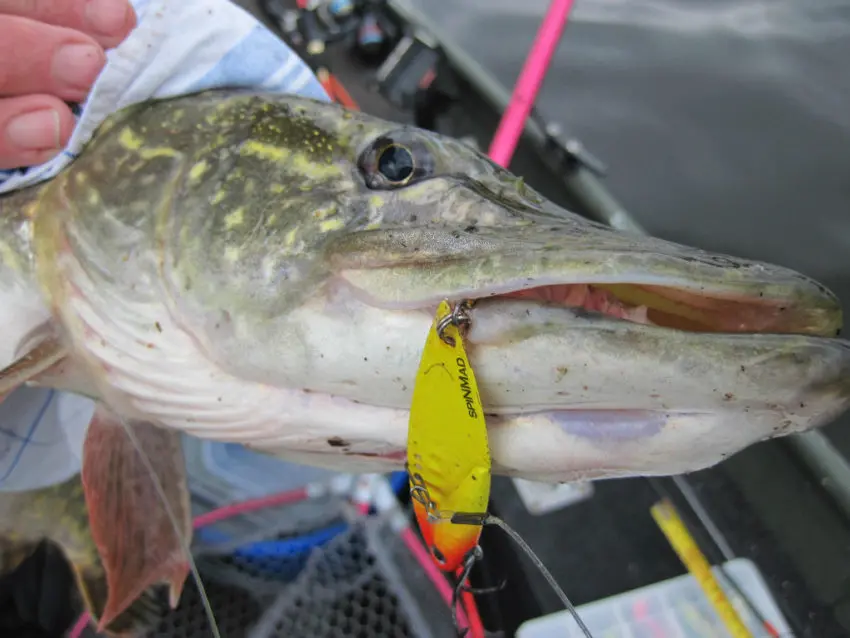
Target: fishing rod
x=529 y=83
x=569 y=159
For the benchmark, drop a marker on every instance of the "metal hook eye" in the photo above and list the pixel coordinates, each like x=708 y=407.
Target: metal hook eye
x=457 y=317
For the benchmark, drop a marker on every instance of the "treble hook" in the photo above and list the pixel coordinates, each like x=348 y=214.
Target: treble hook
x=475 y=554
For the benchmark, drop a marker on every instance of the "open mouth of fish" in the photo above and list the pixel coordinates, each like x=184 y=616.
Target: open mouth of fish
x=610 y=356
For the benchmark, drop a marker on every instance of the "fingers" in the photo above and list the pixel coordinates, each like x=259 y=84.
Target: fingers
x=107 y=21
x=40 y=58
x=51 y=51
x=33 y=129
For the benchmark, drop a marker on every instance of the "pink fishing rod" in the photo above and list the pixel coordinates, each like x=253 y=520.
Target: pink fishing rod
x=530 y=80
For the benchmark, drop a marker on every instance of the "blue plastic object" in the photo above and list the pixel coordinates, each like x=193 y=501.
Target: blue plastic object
x=340 y=8
x=281 y=559
x=369 y=34
x=398 y=481
x=285 y=557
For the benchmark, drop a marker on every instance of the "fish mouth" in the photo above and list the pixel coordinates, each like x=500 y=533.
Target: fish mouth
x=491 y=236
x=598 y=380
x=682 y=309
x=570 y=316
x=587 y=266
x=599 y=354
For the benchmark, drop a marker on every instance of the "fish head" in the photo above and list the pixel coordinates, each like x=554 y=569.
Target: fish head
x=304 y=247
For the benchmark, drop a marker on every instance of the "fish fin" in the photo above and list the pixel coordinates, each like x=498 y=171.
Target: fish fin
x=142 y=615
x=42 y=356
x=67 y=375
x=131 y=528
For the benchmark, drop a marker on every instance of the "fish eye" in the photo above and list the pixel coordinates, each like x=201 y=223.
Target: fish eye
x=396 y=164
x=393 y=161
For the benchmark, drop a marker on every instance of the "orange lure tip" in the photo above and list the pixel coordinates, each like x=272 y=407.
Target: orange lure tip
x=448 y=543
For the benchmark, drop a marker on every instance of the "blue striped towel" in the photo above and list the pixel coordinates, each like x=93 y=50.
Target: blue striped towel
x=177 y=48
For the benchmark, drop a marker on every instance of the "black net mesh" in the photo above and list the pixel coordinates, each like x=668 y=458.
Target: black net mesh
x=362 y=582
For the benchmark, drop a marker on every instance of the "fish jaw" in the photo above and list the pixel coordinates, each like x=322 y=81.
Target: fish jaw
x=568 y=395
x=271 y=292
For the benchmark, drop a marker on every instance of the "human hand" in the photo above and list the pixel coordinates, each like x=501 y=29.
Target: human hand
x=51 y=51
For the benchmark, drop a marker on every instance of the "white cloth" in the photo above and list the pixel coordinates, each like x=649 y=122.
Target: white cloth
x=178 y=47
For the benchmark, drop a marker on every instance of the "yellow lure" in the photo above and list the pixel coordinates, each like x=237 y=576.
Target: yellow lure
x=448 y=455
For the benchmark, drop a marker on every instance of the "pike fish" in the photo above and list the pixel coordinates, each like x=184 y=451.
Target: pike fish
x=264 y=269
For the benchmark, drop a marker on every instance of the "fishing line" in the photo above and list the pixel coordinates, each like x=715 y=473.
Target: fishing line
x=205 y=601
x=525 y=547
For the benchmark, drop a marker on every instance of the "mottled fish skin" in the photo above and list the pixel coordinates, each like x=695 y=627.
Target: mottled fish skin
x=232 y=264
x=57 y=512
x=22 y=308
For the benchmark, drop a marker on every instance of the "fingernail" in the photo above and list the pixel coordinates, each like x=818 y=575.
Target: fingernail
x=107 y=17
x=77 y=65
x=34 y=130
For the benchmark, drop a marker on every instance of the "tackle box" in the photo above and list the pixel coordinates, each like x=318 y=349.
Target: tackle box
x=674 y=608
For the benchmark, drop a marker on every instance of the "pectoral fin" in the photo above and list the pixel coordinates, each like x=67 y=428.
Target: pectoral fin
x=42 y=356
x=134 y=535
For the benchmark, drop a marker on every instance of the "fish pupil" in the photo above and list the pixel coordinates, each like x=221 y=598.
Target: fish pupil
x=396 y=163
